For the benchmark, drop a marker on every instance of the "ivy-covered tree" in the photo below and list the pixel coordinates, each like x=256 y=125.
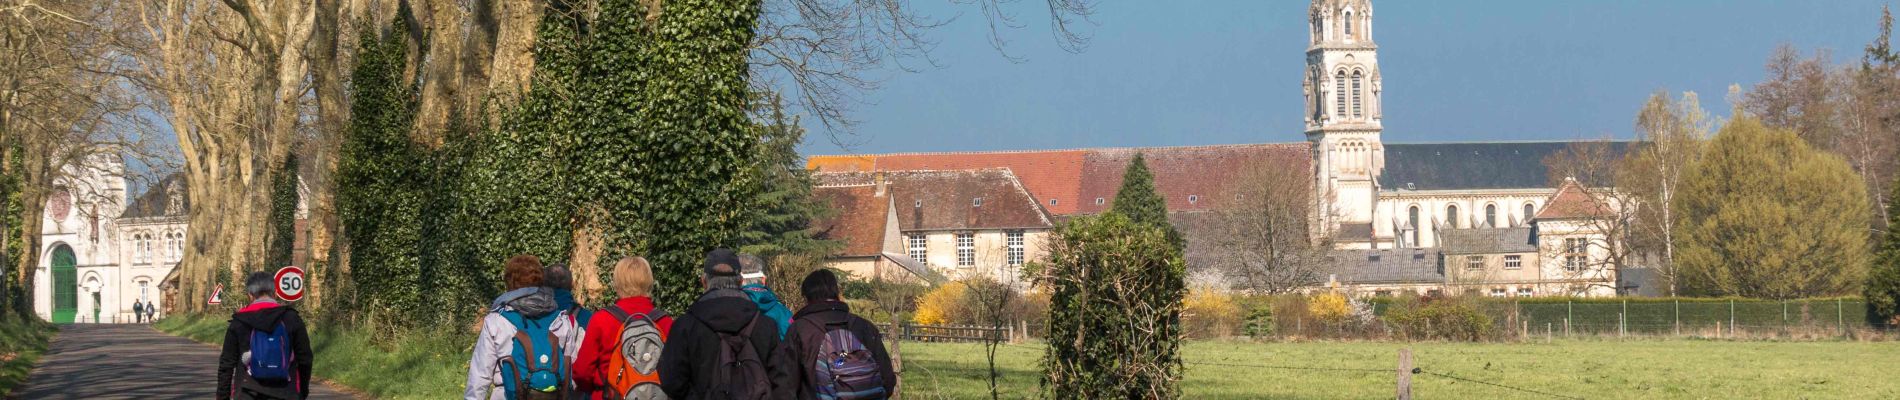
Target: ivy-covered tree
x=1883 y=279
x=1114 y=331
x=381 y=180
x=283 y=215
x=1138 y=199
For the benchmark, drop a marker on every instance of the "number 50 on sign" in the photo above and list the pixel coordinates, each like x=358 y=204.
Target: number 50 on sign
x=290 y=283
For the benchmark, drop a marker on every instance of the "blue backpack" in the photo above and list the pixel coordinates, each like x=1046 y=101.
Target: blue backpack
x=537 y=368
x=270 y=355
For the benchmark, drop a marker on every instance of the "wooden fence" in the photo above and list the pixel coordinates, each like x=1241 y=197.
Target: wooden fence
x=950 y=333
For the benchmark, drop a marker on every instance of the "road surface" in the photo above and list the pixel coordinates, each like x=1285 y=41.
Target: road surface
x=128 y=361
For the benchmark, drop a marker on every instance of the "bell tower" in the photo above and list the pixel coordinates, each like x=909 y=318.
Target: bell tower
x=1342 y=110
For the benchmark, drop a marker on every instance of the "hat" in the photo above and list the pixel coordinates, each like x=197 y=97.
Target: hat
x=721 y=262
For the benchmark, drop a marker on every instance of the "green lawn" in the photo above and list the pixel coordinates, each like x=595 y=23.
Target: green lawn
x=22 y=340
x=1651 y=369
x=413 y=367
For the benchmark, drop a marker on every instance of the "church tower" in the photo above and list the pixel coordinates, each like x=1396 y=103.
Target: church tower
x=1342 y=113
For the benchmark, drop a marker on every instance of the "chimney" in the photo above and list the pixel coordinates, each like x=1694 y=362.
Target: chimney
x=878 y=179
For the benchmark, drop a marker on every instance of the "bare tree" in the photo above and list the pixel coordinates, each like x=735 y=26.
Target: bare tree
x=1602 y=223
x=1670 y=135
x=994 y=302
x=1801 y=94
x=1266 y=241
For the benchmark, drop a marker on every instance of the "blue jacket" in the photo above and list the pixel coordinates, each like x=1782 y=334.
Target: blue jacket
x=564 y=300
x=769 y=304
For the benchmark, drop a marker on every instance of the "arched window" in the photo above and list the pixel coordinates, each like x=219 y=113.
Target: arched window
x=1339 y=94
x=1529 y=210
x=1451 y=216
x=1349 y=24
x=1490 y=215
x=1358 y=108
x=1414 y=219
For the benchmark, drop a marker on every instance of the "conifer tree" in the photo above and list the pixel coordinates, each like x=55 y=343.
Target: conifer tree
x=1883 y=280
x=1140 y=202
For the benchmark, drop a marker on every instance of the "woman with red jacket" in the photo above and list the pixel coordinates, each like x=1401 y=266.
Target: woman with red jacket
x=601 y=367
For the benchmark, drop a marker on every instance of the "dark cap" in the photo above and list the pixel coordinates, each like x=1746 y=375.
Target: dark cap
x=721 y=262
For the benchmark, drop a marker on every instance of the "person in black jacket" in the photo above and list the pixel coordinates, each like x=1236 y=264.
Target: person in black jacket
x=690 y=366
x=824 y=311
x=264 y=313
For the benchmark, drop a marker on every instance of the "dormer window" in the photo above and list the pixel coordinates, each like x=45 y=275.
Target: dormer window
x=920 y=204
x=976 y=202
x=1100 y=201
x=1194 y=199
x=1052 y=202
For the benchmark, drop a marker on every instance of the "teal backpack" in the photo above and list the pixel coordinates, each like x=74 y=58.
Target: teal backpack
x=537 y=368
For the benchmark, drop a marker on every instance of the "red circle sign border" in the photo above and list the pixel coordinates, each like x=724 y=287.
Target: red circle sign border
x=279 y=279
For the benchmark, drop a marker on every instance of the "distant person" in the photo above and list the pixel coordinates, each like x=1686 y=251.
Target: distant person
x=526 y=344
x=831 y=353
x=266 y=349
x=721 y=348
x=138 y=312
x=620 y=357
x=752 y=276
x=561 y=278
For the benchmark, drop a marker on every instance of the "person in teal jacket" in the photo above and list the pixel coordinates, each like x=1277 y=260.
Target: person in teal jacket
x=752 y=274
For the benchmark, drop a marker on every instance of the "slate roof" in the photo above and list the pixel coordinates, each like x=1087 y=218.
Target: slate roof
x=157 y=199
x=1067 y=182
x=1477 y=165
x=1488 y=240
x=858 y=222
x=949 y=200
x=1390 y=267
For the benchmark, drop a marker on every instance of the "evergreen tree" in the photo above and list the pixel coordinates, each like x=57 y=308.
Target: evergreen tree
x=283 y=216
x=783 y=226
x=1140 y=202
x=1883 y=280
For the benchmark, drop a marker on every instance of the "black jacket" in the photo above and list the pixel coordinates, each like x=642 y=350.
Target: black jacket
x=237 y=341
x=691 y=356
x=801 y=344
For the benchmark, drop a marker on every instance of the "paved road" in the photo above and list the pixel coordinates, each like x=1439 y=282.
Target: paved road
x=124 y=361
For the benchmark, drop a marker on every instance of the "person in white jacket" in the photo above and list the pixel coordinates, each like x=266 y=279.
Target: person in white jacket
x=523 y=275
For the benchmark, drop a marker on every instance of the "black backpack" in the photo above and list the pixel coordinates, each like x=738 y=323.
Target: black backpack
x=741 y=373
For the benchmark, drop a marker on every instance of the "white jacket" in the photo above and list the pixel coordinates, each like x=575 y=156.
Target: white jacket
x=497 y=341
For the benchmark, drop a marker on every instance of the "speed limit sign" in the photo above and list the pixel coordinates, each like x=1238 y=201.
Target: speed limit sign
x=290 y=283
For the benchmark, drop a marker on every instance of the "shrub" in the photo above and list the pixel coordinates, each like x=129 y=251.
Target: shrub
x=1209 y=313
x=1457 y=319
x=1115 y=304
x=1329 y=308
x=1260 y=322
x=943 y=305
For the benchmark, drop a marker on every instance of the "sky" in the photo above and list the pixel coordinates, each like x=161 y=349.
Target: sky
x=1195 y=72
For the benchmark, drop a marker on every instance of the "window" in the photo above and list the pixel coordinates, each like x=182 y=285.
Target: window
x=1015 y=243
x=1451 y=216
x=1513 y=262
x=1490 y=215
x=1412 y=216
x=1529 y=210
x=1575 y=253
x=919 y=247
x=1358 y=108
x=1052 y=202
x=1524 y=292
x=1374 y=257
x=966 y=249
x=1339 y=94
x=1100 y=201
x=142 y=291
x=1474 y=262
x=1348 y=24
x=1418 y=255
x=976 y=202
x=1497 y=292
x=1193 y=199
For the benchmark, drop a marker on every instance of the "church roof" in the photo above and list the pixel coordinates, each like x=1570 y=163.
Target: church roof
x=858 y=221
x=1471 y=165
x=951 y=200
x=158 y=198
x=1067 y=182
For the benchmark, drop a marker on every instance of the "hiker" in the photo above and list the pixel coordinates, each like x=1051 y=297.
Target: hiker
x=560 y=278
x=721 y=348
x=621 y=352
x=752 y=275
x=138 y=312
x=266 y=349
x=831 y=353
x=526 y=343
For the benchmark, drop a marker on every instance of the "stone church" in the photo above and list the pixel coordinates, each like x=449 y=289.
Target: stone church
x=1465 y=217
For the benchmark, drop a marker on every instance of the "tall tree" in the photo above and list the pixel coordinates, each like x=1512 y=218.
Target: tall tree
x=283 y=216
x=1670 y=134
x=787 y=207
x=1883 y=279
x=1266 y=238
x=1800 y=95
x=1141 y=202
x=1765 y=215
x=1871 y=131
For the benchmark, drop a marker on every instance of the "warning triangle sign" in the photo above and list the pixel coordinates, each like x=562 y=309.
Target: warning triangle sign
x=216 y=294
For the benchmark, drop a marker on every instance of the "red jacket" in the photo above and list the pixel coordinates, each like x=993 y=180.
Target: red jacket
x=590 y=366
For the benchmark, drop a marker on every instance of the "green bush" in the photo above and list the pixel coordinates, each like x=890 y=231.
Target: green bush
x=1259 y=322
x=1116 y=290
x=1456 y=319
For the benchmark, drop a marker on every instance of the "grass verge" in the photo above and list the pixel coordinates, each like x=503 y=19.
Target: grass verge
x=415 y=366
x=22 y=340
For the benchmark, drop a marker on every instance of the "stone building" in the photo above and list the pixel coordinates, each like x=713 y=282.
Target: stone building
x=932 y=225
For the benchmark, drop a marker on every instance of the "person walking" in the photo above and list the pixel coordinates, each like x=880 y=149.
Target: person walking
x=721 y=348
x=620 y=354
x=831 y=353
x=752 y=276
x=138 y=312
x=560 y=278
x=526 y=344
x=266 y=348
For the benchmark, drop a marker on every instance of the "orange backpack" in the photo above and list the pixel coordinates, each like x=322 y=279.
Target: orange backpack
x=635 y=374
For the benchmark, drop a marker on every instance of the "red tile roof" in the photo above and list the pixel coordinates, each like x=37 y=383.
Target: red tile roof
x=859 y=219
x=1572 y=200
x=1067 y=182
x=948 y=200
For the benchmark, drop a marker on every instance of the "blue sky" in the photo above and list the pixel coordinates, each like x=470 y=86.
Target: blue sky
x=1215 y=72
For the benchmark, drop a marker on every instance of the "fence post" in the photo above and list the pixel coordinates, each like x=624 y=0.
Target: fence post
x=1566 y=327
x=1622 y=320
x=1405 y=374
x=1546 y=332
x=1731 y=317
x=1678 y=316
x=1840 y=317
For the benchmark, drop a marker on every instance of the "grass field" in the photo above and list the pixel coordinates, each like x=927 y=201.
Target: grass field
x=432 y=368
x=22 y=340
x=1651 y=369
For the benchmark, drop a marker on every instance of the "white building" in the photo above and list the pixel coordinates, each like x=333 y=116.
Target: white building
x=100 y=255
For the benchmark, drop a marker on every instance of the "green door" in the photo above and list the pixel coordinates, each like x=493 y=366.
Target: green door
x=65 y=285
